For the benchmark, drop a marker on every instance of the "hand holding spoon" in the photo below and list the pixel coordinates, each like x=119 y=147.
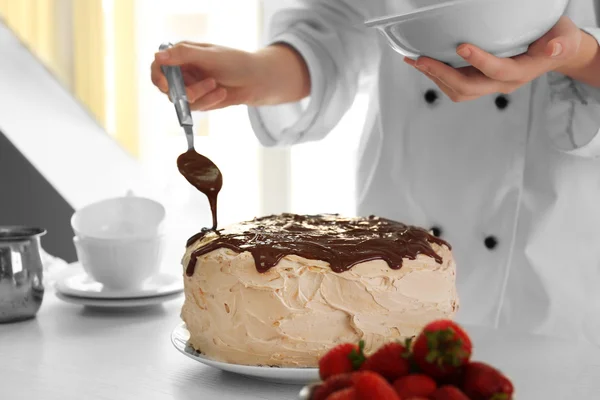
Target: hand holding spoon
x=201 y=172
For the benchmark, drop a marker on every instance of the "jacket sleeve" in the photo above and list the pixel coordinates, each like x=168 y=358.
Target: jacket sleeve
x=331 y=37
x=574 y=112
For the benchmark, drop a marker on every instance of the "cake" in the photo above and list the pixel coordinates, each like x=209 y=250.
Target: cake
x=281 y=290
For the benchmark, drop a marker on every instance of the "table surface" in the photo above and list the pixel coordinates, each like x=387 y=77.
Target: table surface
x=73 y=352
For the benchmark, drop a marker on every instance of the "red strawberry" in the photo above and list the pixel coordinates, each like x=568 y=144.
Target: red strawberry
x=331 y=385
x=484 y=382
x=454 y=379
x=415 y=385
x=448 y=393
x=442 y=348
x=370 y=385
x=341 y=359
x=345 y=394
x=390 y=361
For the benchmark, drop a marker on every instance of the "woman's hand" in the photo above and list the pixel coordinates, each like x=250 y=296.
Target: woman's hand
x=558 y=50
x=218 y=77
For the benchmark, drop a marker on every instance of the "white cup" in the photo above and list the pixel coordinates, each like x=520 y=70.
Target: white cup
x=120 y=264
x=119 y=218
x=119 y=242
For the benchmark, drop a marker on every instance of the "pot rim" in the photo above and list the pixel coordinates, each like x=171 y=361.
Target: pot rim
x=19 y=233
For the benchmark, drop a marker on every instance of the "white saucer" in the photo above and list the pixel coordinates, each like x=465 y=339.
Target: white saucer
x=117 y=303
x=292 y=376
x=82 y=285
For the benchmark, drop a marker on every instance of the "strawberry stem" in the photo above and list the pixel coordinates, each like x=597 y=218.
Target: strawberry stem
x=357 y=358
x=445 y=349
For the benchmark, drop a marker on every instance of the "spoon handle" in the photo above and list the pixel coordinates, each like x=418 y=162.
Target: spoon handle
x=177 y=91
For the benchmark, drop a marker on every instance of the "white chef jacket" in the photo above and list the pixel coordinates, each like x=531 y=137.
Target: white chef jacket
x=512 y=182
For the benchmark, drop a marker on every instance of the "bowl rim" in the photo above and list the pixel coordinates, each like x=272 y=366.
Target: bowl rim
x=380 y=22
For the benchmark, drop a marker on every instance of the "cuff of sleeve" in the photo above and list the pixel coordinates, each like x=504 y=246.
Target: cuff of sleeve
x=287 y=124
x=589 y=150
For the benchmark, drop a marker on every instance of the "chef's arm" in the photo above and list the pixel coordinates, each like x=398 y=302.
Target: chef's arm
x=585 y=66
x=282 y=73
x=330 y=37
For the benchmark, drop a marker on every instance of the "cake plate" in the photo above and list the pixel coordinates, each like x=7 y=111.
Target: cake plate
x=290 y=376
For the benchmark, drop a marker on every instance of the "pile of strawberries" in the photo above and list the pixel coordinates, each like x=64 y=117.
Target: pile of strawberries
x=436 y=365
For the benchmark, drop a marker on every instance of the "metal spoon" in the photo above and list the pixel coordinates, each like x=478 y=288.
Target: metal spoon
x=179 y=98
x=201 y=172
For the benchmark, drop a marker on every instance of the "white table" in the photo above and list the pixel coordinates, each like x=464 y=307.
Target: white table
x=70 y=352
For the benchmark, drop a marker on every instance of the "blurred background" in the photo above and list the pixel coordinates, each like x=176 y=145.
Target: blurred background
x=100 y=51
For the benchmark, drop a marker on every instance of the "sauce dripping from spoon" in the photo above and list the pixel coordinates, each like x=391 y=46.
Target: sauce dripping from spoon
x=201 y=172
x=204 y=175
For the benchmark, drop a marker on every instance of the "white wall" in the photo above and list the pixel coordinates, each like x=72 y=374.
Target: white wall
x=321 y=175
x=54 y=156
x=56 y=134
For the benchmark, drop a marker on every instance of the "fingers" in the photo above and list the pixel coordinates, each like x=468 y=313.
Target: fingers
x=194 y=90
x=448 y=91
x=209 y=101
x=222 y=98
x=499 y=69
x=200 y=89
x=204 y=94
x=465 y=82
x=522 y=68
x=488 y=74
x=181 y=53
x=158 y=78
x=559 y=44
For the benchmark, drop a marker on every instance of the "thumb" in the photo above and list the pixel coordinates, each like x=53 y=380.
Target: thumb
x=179 y=54
x=558 y=48
x=564 y=40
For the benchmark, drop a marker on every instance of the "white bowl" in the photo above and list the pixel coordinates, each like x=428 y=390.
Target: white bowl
x=504 y=28
x=120 y=264
x=119 y=218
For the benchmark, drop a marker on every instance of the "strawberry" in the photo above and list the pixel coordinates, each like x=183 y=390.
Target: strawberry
x=415 y=385
x=448 y=393
x=331 y=385
x=484 y=382
x=453 y=379
x=391 y=361
x=442 y=348
x=344 y=394
x=341 y=359
x=370 y=385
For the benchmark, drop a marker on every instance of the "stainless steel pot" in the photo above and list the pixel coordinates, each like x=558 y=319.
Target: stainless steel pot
x=21 y=273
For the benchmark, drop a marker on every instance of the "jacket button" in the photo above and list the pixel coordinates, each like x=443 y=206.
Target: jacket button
x=501 y=102
x=431 y=96
x=490 y=242
x=436 y=231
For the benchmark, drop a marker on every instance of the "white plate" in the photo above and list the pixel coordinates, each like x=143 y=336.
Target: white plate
x=117 y=303
x=82 y=285
x=291 y=376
